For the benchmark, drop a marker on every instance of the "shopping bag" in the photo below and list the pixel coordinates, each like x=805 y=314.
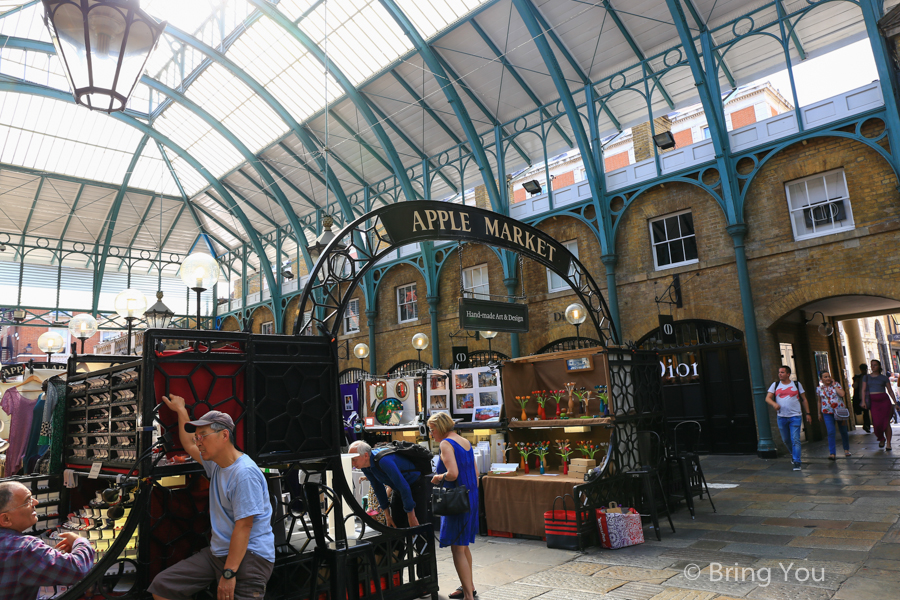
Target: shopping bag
x=619 y=527
x=562 y=529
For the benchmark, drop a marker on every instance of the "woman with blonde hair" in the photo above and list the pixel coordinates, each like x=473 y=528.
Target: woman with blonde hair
x=456 y=466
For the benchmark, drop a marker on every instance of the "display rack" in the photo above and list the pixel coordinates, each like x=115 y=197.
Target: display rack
x=102 y=415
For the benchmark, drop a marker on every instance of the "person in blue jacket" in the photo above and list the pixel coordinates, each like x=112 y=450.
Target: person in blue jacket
x=411 y=497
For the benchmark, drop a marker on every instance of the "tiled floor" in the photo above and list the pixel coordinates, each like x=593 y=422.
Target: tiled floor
x=829 y=531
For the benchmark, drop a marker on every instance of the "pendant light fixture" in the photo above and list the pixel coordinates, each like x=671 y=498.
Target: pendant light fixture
x=103 y=46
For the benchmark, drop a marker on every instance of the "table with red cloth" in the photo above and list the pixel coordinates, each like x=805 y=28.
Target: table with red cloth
x=516 y=503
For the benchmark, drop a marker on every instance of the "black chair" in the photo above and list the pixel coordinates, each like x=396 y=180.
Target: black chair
x=344 y=558
x=653 y=459
x=686 y=462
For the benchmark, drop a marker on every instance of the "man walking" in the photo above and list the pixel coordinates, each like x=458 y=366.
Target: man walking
x=241 y=554
x=789 y=395
x=857 y=397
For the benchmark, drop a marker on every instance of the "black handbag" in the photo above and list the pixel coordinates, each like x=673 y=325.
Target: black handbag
x=447 y=502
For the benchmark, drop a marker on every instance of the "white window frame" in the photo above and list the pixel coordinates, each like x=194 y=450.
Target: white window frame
x=653 y=244
x=849 y=225
x=483 y=290
x=351 y=315
x=401 y=304
x=571 y=246
x=705 y=133
x=267 y=328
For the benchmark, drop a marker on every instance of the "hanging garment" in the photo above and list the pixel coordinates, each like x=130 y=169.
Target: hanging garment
x=50 y=398
x=21 y=412
x=32 y=452
x=58 y=425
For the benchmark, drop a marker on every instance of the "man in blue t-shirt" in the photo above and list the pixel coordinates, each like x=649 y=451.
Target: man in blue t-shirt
x=241 y=554
x=408 y=506
x=786 y=397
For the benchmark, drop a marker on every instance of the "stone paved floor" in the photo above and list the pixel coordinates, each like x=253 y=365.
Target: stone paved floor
x=829 y=531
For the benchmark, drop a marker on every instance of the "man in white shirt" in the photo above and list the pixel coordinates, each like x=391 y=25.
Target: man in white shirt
x=789 y=396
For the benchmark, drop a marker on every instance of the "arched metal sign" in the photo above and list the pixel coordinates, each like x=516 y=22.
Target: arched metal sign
x=362 y=243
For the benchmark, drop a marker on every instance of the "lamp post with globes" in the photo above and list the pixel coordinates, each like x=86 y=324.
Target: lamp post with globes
x=575 y=315
x=51 y=343
x=199 y=272
x=130 y=304
x=420 y=342
x=361 y=351
x=83 y=327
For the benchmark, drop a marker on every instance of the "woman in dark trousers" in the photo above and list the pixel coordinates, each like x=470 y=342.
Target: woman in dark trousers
x=876 y=388
x=456 y=466
x=858 y=407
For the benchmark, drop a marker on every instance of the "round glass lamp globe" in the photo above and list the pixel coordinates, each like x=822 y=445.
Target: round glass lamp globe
x=575 y=314
x=420 y=341
x=83 y=326
x=51 y=342
x=488 y=335
x=826 y=329
x=199 y=270
x=131 y=304
x=361 y=350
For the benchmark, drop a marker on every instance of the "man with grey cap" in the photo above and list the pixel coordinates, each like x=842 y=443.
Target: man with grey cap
x=241 y=554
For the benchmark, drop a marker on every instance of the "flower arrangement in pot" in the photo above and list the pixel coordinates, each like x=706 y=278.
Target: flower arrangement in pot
x=541 y=449
x=525 y=450
x=564 y=449
x=522 y=401
x=541 y=396
x=557 y=396
x=603 y=397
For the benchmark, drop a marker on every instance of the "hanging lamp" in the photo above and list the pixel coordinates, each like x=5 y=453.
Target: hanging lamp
x=103 y=46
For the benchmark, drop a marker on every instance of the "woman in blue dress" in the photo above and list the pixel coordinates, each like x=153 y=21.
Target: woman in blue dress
x=456 y=467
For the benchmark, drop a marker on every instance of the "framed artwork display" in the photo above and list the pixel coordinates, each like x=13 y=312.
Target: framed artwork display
x=477 y=388
x=401 y=389
x=581 y=364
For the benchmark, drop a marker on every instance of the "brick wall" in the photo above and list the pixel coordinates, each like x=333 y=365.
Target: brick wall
x=643 y=141
x=743 y=117
x=683 y=138
x=563 y=180
x=616 y=161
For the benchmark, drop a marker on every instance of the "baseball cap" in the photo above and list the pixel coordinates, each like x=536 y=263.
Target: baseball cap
x=209 y=418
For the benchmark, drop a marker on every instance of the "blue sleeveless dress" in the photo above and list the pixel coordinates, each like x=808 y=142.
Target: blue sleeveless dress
x=460 y=530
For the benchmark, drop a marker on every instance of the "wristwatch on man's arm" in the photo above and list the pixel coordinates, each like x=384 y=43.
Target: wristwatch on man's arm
x=229 y=574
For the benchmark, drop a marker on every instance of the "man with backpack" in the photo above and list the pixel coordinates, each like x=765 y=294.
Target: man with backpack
x=403 y=468
x=790 y=412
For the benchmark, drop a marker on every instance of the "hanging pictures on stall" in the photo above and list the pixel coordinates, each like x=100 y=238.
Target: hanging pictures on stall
x=389 y=403
x=437 y=392
x=477 y=392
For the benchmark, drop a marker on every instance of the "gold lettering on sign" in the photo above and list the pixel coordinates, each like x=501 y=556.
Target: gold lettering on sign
x=444 y=216
x=464 y=219
x=418 y=222
x=453 y=225
x=505 y=235
x=529 y=241
x=431 y=215
x=517 y=237
x=491 y=228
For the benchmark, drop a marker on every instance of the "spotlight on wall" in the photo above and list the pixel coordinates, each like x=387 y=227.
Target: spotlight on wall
x=287 y=274
x=2 y=247
x=664 y=140
x=533 y=187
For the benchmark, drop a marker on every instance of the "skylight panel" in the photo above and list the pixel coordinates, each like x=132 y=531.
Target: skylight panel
x=196 y=137
x=50 y=135
x=151 y=172
x=432 y=16
x=243 y=113
x=191 y=181
x=27 y=23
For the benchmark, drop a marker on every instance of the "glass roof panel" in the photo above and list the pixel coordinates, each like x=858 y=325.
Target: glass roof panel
x=151 y=172
x=239 y=109
x=435 y=15
x=50 y=135
x=27 y=23
x=276 y=60
x=199 y=140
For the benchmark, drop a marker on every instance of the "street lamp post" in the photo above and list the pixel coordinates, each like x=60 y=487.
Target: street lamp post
x=575 y=315
x=83 y=327
x=420 y=342
x=51 y=343
x=199 y=272
x=361 y=351
x=130 y=304
x=489 y=335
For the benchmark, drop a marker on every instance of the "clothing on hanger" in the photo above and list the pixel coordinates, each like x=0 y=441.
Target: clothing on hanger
x=21 y=413
x=32 y=452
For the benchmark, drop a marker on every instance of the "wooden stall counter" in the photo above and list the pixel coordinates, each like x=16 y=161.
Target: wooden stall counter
x=516 y=503
x=561 y=423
